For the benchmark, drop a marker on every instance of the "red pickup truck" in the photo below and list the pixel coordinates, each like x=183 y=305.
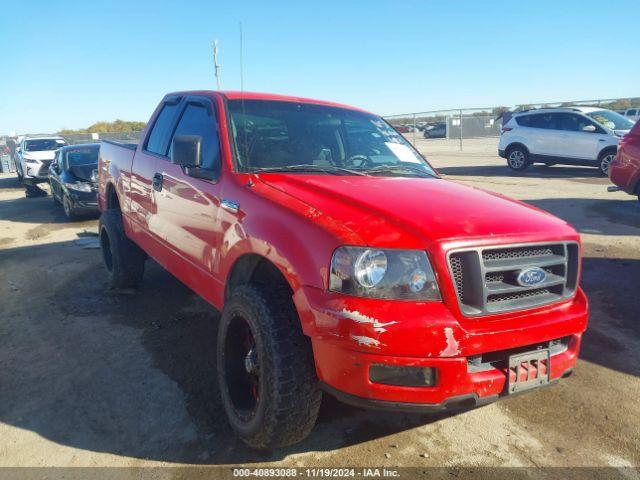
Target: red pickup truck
x=624 y=171
x=340 y=260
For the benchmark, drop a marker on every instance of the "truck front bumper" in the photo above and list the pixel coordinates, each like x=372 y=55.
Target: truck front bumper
x=349 y=335
x=456 y=387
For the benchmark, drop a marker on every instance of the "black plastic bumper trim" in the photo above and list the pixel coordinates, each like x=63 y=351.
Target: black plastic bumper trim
x=460 y=402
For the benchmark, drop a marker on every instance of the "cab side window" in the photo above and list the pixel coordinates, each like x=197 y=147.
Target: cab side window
x=200 y=120
x=158 y=138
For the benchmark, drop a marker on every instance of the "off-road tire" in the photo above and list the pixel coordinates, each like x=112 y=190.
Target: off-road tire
x=518 y=158
x=290 y=396
x=123 y=259
x=604 y=161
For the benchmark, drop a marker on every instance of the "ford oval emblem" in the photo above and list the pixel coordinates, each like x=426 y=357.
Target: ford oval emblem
x=532 y=276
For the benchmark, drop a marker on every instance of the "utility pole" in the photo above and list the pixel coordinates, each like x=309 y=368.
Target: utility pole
x=216 y=65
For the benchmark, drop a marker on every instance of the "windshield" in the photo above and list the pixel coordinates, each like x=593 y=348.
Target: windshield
x=82 y=156
x=44 y=144
x=611 y=119
x=274 y=135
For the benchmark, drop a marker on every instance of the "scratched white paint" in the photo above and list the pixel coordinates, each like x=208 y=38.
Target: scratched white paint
x=451 y=350
x=361 y=318
x=368 y=341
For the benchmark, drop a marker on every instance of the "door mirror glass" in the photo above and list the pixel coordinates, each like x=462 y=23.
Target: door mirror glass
x=186 y=150
x=589 y=128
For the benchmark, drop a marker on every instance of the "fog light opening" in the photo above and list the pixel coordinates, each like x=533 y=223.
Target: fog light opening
x=402 y=376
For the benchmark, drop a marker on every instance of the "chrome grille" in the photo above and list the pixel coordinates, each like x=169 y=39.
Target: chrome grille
x=485 y=279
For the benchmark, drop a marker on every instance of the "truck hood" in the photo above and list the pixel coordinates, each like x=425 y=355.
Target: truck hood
x=392 y=211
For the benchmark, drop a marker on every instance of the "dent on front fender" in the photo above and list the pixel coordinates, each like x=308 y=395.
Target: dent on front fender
x=425 y=329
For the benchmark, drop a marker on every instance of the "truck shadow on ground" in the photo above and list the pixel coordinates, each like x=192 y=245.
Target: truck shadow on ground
x=595 y=216
x=579 y=174
x=133 y=373
x=40 y=211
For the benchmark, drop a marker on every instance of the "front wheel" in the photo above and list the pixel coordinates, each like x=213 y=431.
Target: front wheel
x=266 y=372
x=518 y=159
x=69 y=211
x=604 y=162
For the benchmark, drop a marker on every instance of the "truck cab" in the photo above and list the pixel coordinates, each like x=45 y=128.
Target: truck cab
x=340 y=260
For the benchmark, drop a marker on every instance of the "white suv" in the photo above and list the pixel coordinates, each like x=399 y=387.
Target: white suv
x=571 y=136
x=34 y=155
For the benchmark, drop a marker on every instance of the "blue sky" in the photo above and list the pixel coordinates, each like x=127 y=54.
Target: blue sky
x=71 y=63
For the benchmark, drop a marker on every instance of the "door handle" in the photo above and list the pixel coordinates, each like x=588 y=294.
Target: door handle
x=157 y=182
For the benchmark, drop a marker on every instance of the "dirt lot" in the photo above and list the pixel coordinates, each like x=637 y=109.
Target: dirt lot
x=89 y=377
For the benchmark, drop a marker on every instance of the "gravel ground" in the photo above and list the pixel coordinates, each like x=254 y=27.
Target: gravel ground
x=94 y=378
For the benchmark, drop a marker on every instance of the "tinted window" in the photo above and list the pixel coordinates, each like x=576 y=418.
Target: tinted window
x=572 y=122
x=611 y=120
x=199 y=120
x=82 y=156
x=631 y=112
x=524 y=120
x=272 y=134
x=158 y=139
x=539 y=120
x=43 y=144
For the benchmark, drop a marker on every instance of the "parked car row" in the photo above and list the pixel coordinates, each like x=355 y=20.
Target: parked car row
x=69 y=169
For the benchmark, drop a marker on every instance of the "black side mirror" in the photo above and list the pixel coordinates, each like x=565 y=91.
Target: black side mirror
x=186 y=150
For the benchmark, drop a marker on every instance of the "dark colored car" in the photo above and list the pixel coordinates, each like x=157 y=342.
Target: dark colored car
x=439 y=130
x=624 y=171
x=71 y=176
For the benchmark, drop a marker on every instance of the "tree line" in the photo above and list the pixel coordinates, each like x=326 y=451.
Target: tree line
x=107 y=127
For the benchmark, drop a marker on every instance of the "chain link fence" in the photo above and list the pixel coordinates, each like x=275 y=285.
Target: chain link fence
x=450 y=130
x=477 y=130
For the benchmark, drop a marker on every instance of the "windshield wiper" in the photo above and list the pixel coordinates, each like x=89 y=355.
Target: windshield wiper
x=399 y=168
x=333 y=169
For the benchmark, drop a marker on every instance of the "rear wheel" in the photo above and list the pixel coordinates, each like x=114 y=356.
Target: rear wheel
x=604 y=161
x=123 y=259
x=266 y=373
x=518 y=158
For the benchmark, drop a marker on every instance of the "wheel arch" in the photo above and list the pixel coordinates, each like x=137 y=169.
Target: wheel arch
x=254 y=268
x=606 y=150
x=515 y=144
x=112 y=200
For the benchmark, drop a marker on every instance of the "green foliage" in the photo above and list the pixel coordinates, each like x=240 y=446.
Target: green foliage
x=107 y=127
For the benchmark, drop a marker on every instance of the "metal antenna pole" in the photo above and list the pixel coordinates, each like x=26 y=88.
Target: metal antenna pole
x=241 y=58
x=216 y=65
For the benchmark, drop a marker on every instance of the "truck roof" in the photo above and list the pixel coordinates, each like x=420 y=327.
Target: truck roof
x=238 y=95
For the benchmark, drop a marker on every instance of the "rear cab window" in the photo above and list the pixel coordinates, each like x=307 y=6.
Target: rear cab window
x=158 y=139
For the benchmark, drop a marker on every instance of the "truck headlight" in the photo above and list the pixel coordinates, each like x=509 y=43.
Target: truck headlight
x=383 y=273
x=78 y=187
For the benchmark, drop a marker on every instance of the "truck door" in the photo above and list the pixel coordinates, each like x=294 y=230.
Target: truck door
x=152 y=149
x=187 y=207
